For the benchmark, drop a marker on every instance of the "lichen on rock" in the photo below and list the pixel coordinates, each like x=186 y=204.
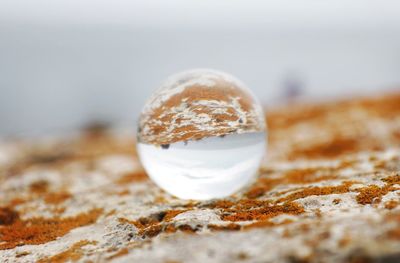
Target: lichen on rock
x=330 y=192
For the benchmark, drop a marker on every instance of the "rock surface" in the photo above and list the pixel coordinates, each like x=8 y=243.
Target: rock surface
x=329 y=191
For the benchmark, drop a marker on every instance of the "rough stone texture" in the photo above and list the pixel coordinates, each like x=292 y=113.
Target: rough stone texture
x=197 y=104
x=328 y=192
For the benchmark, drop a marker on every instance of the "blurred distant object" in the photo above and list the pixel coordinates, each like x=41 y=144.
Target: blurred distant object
x=293 y=87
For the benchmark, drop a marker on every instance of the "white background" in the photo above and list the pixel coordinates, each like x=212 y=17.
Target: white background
x=63 y=63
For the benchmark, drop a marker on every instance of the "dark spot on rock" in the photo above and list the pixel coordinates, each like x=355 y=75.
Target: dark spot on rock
x=130 y=236
x=240 y=121
x=211 y=253
x=39 y=187
x=358 y=257
x=158 y=216
x=294 y=259
x=242 y=256
x=7 y=216
x=22 y=254
x=48 y=158
x=144 y=221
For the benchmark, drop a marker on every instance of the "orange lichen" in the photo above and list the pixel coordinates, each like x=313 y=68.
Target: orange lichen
x=249 y=210
x=42 y=230
x=56 y=198
x=254 y=210
x=96 y=141
x=123 y=192
x=74 y=253
x=119 y=253
x=392 y=179
x=228 y=227
x=188 y=228
x=381 y=164
x=307 y=175
x=136 y=176
x=39 y=187
x=152 y=230
x=259 y=211
x=391 y=204
x=170 y=228
x=266 y=223
x=297 y=176
x=285 y=118
x=17 y=201
x=153 y=224
x=336 y=147
x=170 y=214
x=344 y=241
x=315 y=190
x=394 y=233
x=220 y=204
x=335 y=130
x=371 y=193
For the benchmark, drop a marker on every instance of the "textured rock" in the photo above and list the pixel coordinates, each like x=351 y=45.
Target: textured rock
x=329 y=191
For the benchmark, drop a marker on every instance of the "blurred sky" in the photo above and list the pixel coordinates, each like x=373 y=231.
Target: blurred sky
x=66 y=62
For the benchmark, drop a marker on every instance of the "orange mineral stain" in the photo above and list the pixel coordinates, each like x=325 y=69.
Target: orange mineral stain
x=39 y=230
x=74 y=253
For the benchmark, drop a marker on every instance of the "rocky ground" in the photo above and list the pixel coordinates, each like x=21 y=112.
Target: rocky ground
x=328 y=191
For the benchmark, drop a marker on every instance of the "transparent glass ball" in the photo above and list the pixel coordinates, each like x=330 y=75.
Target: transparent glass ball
x=202 y=135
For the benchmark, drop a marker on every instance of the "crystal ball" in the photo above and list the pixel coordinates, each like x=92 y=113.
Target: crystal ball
x=201 y=135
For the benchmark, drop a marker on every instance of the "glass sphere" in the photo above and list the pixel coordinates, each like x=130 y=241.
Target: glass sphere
x=202 y=135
